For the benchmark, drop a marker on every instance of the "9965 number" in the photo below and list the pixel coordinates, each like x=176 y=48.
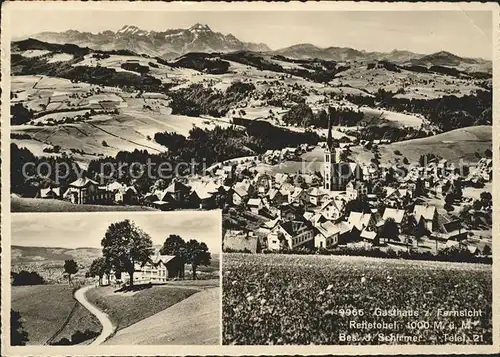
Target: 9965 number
x=350 y=312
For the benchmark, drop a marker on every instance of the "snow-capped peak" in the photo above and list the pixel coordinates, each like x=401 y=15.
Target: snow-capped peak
x=131 y=30
x=199 y=27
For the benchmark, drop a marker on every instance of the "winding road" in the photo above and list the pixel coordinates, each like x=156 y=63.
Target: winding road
x=107 y=327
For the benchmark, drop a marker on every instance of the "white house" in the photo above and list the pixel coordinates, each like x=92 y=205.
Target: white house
x=327 y=236
x=428 y=214
x=255 y=205
x=332 y=209
x=290 y=234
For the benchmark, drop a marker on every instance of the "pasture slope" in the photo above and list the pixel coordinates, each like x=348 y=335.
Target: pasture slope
x=50 y=312
x=146 y=300
x=455 y=145
x=26 y=204
x=193 y=321
x=292 y=299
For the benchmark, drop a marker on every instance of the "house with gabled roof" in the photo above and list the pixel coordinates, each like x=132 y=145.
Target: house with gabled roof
x=241 y=192
x=255 y=205
x=317 y=195
x=450 y=230
x=177 y=192
x=240 y=241
x=327 y=235
x=291 y=211
x=50 y=192
x=277 y=196
x=399 y=215
x=159 y=269
x=298 y=195
x=369 y=236
x=290 y=235
x=361 y=221
x=315 y=218
x=83 y=191
x=426 y=215
x=355 y=189
x=332 y=209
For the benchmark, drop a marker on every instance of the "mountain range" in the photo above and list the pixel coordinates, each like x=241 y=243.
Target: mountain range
x=166 y=44
x=172 y=43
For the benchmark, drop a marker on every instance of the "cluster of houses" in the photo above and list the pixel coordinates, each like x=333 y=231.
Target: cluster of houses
x=87 y=191
x=354 y=204
x=273 y=157
x=326 y=224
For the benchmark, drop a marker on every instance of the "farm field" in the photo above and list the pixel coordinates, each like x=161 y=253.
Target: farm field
x=195 y=320
x=289 y=299
x=25 y=204
x=455 y=145
x=45 y=309
x=146 y=300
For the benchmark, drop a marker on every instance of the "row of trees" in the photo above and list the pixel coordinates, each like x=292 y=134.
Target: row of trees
x=125 y=245
x=302 y=115
x=447 y=113
x=197 y=100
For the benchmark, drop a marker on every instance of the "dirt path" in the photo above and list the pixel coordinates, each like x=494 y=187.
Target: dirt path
x=107 y=327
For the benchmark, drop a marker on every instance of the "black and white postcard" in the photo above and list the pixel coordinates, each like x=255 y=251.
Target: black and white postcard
x=249 y=178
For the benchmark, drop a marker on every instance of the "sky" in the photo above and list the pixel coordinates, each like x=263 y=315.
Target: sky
x=71 y=230
x=465 y=33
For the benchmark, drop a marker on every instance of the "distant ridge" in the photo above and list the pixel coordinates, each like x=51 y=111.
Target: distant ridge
x=167 y=44
x=172 y=43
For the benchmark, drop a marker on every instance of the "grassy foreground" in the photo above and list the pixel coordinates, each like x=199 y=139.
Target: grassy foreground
x=127 y=308
x=24 y=204
x=291 y=299
x=45 y=310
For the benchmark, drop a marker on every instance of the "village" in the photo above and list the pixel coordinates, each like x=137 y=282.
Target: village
x=420 y=207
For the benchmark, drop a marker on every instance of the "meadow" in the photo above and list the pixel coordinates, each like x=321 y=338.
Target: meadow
x=193 y=321
x=50 y=312
x=287 y=299
x=125 y=308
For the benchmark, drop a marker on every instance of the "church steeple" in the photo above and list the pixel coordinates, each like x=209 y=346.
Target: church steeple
x=329 y=137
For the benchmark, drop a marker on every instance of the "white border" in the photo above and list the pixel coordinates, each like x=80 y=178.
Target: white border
x=7 y=9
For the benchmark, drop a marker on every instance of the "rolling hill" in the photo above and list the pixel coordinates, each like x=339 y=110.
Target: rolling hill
x=341 y=54
x=455 y=145
x=25 y=254
x=195 y=320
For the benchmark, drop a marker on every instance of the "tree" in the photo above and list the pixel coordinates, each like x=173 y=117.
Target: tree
x=466 y=215
x=477 y=205
x=99 y=268
x=419 y=231
x=70 y=268
x=448 y=202
x=390 y=229
x=27 y=278
x=419 y=187
x=360 y=204
x=197 y=254
x=486 y=198
x=19 y=114
x=192 y=252
x=124 y=245
x=175 y=245
x=18 y=336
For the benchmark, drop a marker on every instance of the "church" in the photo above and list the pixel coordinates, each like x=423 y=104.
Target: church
x=337 y=173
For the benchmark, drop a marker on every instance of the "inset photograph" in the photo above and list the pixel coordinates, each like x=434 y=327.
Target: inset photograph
x=116 y=279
